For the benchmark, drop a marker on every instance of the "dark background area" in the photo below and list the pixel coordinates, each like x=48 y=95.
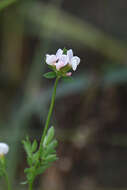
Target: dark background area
x=90 y=114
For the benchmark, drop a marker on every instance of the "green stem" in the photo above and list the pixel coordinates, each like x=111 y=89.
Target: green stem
x=31 y=185
x=50 y=111
x=46 y=125
x=7 y=180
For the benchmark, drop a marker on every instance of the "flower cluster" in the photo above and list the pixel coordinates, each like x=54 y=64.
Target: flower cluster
x=62 y=59
x=4 y=148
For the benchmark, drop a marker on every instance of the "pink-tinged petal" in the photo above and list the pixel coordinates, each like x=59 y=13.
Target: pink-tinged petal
x=59 y=53
x=68 y=74
x=70 y=54
x=63 y=61
x=51 y=59
x=59 y=65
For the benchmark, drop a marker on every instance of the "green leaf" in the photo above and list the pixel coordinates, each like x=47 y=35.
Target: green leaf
x=50 y=75
x=36 y=156
x=48 y=138
x=27 y=146
x=41 y=169
x=50 y=148
x=29 y=160
x=34 y=146
x=67 y=79
x=51 y=158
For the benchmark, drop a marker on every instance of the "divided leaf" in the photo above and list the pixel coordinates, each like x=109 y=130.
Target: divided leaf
x=37 y=160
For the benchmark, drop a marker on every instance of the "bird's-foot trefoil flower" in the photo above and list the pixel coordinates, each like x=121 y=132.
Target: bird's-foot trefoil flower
x=41 y=156
x=62 y=62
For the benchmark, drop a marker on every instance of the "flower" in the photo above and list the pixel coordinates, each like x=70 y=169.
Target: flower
x=62 y=59
x=4 y=148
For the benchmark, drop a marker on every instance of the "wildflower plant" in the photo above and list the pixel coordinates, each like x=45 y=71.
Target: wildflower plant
x=4 y=148
x=40 y=156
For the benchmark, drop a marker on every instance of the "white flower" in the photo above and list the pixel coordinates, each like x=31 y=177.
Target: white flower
x=61 y=60
x=4 y=148
x=73 y=60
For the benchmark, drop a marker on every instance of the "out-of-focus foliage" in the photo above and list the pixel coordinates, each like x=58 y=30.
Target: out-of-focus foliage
x=90 y=111
x=6 y=3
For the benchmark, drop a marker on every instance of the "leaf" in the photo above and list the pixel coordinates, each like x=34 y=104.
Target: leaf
x=51 y=158
x=27 y=146
x=34 y=146
x=48 y=138
x=29 y=161
x=41 y=169
x=67 y=79
x=30 y=176
x=36 y=156
x=50 y=148
x=50 y=75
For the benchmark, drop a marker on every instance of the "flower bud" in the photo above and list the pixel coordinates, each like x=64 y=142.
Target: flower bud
x=68 y=74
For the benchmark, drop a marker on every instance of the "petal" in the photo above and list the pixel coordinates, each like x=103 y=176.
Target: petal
x=50 y=59
x=75 y=62
x=74 y=66
x=70 y=54
x=77 y=59
x=64 y=59
x=62 y=62
x=59 y=53
x=59 y=65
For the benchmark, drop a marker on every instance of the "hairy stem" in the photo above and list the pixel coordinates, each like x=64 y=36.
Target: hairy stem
x=50 y=111
x=46 y=125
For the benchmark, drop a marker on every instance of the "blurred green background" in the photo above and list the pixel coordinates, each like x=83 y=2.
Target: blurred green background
x=90 y=114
